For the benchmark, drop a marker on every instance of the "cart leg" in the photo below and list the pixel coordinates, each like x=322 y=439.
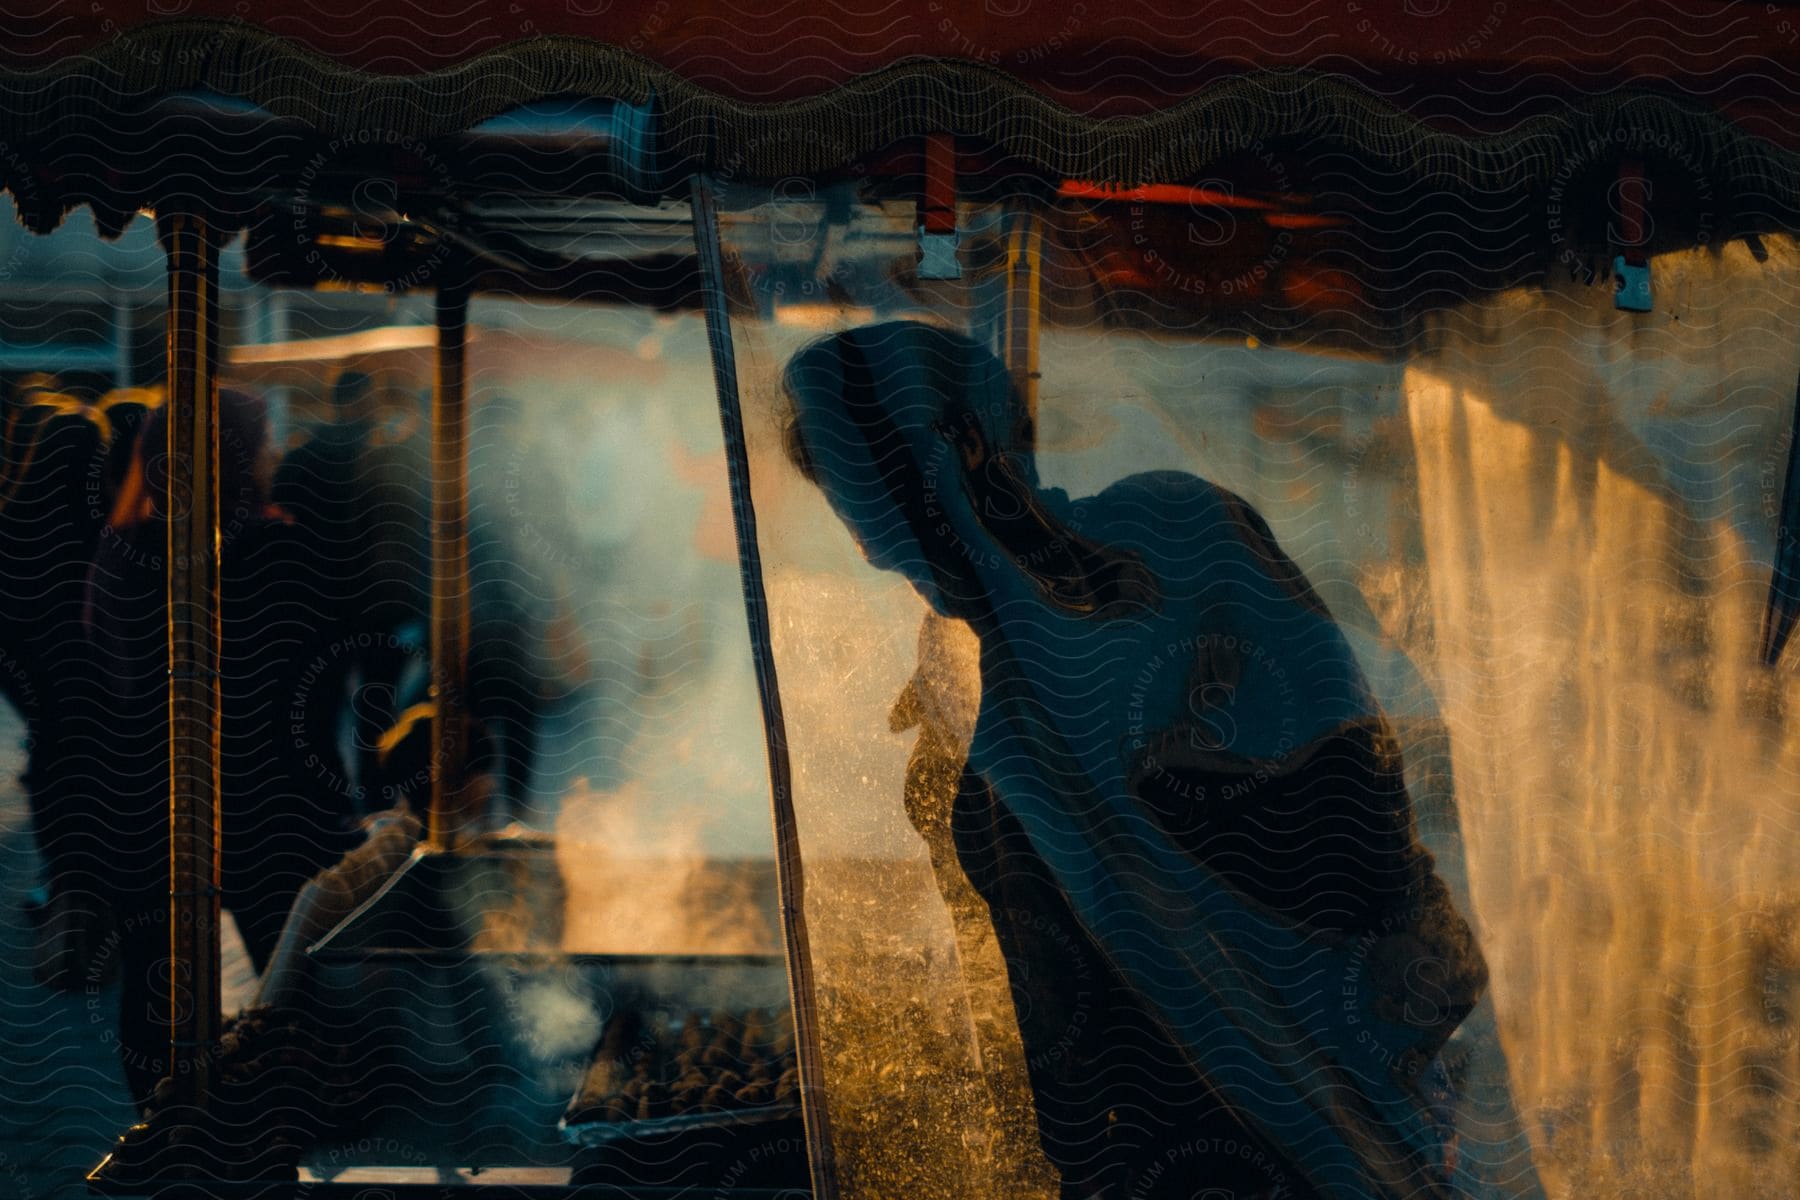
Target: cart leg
x=192 y=244
x=450 y=818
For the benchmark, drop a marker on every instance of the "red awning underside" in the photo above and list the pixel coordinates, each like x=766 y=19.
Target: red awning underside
x=1469 y=65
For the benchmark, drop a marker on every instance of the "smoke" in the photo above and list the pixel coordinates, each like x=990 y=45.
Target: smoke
x=608 y=483
x=637 y=881
x=632 y=878
x=556 y=1017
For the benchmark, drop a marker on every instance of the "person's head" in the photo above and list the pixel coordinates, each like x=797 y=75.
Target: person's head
x=921 y=445
x=888 y=420
x=930 y=374
x=353 y=397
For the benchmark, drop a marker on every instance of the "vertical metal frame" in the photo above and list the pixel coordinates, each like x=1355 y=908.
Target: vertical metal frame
x=789 y=874
x=192 y=593
x=1024 y=272
x=449 y=819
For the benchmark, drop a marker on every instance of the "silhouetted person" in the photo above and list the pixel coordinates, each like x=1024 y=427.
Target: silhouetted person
x=1181 y=803
x=51 y=497
x=365 y=499
x=319 y=482
x=281 y=823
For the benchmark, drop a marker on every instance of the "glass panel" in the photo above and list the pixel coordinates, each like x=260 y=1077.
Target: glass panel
x=602 y=524
x=617 y=779
x=442 y=1030
x=924 y=1070
x=1623 y=762
x=1517 y=552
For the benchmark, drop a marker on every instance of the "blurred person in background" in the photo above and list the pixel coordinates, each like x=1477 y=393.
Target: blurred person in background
x=364 y=496
x=280 y=824
x=362 y=485
x=53 y=493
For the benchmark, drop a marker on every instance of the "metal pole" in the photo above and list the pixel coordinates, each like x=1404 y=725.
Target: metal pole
x=1024 y=258
x=789 y=877
x=192 y=505
x=449 y=568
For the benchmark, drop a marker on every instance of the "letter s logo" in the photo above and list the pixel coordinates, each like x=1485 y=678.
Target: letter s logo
x=1427 y=1000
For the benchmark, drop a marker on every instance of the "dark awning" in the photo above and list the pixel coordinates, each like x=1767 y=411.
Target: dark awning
x=1464 y=99
x=1474 y=64
x=1414 y=152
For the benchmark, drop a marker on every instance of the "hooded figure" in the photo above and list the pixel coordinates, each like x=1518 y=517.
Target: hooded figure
x=1181 y=802
x=281 y=822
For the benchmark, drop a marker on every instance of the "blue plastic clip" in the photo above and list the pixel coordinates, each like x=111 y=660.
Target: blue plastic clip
x=1631 y=285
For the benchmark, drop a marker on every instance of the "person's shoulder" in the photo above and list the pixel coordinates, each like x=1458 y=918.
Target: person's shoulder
x=1157 y=500
x=271 y=541
x=1163 y=484
x=1166 y=482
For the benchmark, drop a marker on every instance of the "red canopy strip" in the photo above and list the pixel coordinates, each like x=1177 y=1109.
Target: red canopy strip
x=937 y=208
x=1160 y=193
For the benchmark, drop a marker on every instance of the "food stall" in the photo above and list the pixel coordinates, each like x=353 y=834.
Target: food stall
x=1486 y=318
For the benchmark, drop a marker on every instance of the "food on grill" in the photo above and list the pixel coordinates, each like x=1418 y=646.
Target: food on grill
x=651 y=1066
x=282 y=1080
